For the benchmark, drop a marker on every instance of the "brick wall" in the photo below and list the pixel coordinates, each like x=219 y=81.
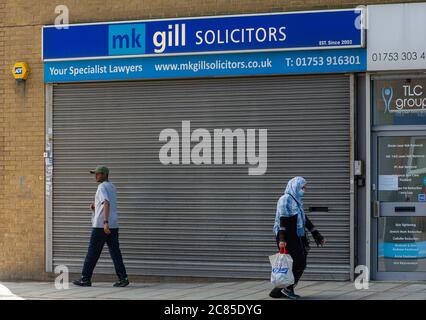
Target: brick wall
x=22 y=230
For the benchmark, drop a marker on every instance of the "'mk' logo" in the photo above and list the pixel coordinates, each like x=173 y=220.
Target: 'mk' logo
x=126 y=39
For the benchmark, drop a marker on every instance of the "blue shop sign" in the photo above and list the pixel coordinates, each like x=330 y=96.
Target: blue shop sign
x=237 y=64
x=309 y=30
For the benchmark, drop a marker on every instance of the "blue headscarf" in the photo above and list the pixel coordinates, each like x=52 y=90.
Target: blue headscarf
x=294 y=188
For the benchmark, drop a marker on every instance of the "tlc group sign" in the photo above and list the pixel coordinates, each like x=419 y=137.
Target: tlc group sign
x=258 y=44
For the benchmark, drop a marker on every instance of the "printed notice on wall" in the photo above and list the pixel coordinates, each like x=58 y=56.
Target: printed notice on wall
x=388 y=182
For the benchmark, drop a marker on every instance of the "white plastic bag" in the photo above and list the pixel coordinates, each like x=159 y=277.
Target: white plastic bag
x=282 y=266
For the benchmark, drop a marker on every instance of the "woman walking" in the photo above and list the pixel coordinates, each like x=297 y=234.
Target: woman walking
x=289 y=229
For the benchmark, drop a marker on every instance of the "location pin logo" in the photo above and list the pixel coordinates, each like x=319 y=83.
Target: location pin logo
x=387 y=94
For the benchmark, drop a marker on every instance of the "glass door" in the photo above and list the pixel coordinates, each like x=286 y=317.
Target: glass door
x=399 y=211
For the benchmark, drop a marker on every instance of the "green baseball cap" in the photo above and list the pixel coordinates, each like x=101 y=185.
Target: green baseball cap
x=100 y=169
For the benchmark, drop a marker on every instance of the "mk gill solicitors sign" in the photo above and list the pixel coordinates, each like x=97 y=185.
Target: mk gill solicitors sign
x=276 y=43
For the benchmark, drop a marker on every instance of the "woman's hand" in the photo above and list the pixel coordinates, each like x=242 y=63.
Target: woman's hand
x=319 y=239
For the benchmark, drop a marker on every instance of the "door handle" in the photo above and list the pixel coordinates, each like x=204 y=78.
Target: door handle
x=376 y=209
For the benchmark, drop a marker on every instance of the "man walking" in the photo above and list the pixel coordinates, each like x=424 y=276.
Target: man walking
x=105 y=229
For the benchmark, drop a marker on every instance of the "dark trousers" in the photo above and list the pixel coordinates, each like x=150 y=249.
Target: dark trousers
x=97 y=241
x=296 y=249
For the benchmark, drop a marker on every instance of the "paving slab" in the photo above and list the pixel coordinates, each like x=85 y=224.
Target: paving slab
x=330 y=285
x=242 y=294
x=303 y=284
x=257 y=290
x=210 y=289
x=10 y=297
x=195 y=290
x=412 y=288
x=25 y=287
x=354 y=295
x=204 y=295
x=395 y=295
x=95 y=292
x=323 y=295
x=379 y=286
x=415 y=296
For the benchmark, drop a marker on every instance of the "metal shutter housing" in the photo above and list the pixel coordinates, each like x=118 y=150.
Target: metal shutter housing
x=207 y=220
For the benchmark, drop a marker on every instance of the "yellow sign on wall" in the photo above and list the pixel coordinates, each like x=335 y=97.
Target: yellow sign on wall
x=21 y=71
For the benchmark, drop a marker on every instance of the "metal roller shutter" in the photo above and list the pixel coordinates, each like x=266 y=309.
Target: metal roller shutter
x=208 y=220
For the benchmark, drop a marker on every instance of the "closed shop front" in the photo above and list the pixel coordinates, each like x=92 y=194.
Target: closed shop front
x=200 y=160
x=202 y=220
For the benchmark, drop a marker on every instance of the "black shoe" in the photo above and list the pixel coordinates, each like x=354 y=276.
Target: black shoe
x=276 y=293
x=82 y=283
x=122 y=283
x=296 y=295
x=289 y=294
x=292 y=291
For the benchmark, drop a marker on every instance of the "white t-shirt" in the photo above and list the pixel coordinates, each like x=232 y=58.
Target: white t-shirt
x=106 y=191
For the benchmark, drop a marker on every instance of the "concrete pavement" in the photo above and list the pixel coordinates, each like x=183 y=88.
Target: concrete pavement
x=231 y=290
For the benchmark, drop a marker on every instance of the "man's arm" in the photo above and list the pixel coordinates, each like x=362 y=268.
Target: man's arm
x=106 y=217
